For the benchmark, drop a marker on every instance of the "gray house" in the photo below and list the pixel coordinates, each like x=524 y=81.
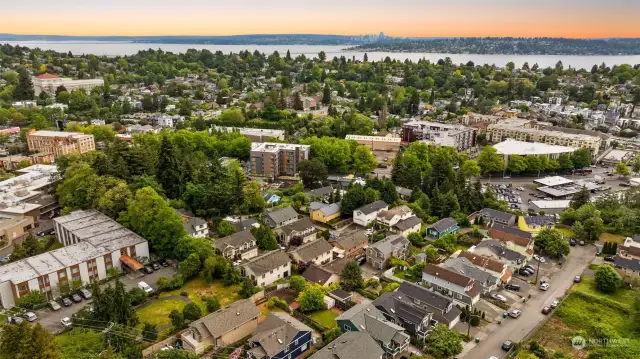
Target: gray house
x=351 y=345
x=280 y=217
x=459 y=287
x=484 y=279
x=494 y=249
x=490 y=216
x=379 y=253
x=302 y=231
x=443 y=308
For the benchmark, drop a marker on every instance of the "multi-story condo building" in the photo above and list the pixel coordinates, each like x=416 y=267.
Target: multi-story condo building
x=60 y=143
x=273 y=160
x=500 y=132
x=49 y=83
x=460 y=137
x=30 y=194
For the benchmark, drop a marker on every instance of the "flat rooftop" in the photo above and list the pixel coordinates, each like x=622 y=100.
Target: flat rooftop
x=515 y=147
x=374 y=138
x=59 y=134
x=15 y=191
x=618 y=155
x=553 y=181
x=247 y=131
x=572 y=136
x=563 y=203
x=568 y=190
x=275 y=147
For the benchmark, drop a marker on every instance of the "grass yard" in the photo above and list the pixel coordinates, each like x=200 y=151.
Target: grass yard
x=158 y=313
x=566 y=232
x=265 y=311
x=197 y=288
x=608 y=237
x=326 y=317
x=591 y=314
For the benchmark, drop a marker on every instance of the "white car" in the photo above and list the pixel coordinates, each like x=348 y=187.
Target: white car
x=515 y=313
x=66 y=322
x=144 y=286
x=544 y=286
x=539 y=258
x=555 y=303
x=54 y=305
x=499 y=297
x=30 y=316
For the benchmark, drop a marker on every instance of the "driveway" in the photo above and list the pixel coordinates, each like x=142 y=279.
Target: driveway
x=517 y=329
x=51 y=319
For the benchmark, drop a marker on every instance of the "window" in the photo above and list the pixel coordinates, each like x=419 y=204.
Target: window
x=459 y=296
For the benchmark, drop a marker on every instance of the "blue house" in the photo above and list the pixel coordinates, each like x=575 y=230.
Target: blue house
x=280 y=336
x=443 y=227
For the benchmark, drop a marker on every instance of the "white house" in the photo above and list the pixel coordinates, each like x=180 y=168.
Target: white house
x=459 y=287
x=318 y=252
x=268 y=267
x=367 y=214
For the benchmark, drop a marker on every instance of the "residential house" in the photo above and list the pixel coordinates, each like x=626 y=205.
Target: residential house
x=367 y=214
x=389 y=218
x=271 y=199
x=486 y=280
x=514 y=239
x=534 y=224
x=324 y=213
x=443 y=309
x=491 y=216
x=498 y=251
x=280 y=217
x=246 y=224
x=410 y=225
x=404 y=193
x=379 y=253
x=317 y=252
x=367 y=318
x=14 y=228
x=342 y=298
x=296 y=233
x=280 y=336
x=196 y=227
x=267 y=268
x=352 y=245
x=240 y=245
x=630 y=248
x=443 y=227
x=400 y=310
x=221 y=328
x=351 y=345
x=486 y=263
x=323 y=194
x=319 y=275
x=461 y=288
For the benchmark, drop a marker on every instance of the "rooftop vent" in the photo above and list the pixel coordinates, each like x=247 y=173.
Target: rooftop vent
x=280 y=341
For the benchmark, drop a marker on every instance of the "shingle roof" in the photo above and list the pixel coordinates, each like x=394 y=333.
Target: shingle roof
x=389 y=214
x=351 y=345
x=632 y=264
x=408 y=223
x=282 y=214
x=351 y=241
x=424 y=295
x=276 y=332
x=246 y=224
x=372 y=207
x=464 y=266
x=540 y=220
x=483 y=261
x=384 y=331
x=492 y=213
x=510 y=234
x=356 y=313
x=191 y=223
x=315 y=274
x=308 y=251
x=235 y=240
x=267 y=262
x=444 y=224
x=447 y=275
x=500 y=250
x=340 y=293
x=330 y=209
x=299 y=226
x=226 y=319
x=319 y=192
x=388 y=244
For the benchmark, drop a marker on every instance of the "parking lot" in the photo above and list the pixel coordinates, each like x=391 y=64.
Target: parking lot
x=510 y=194
x=384 y=158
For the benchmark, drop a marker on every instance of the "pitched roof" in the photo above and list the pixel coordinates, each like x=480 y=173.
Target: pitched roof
x=423 y=294
x=246 y=224
x=632 y=264
x=276 y=332
x=300 y=225
x=315 y=274
x=372 y=207
x=396 y=211
x=226 y=319
x=510 y=234
x=191 y=223
x=464 y=266
x=408 y=223
x=330 y=209
x=319 y=192
x=340 y=293
x=282 y=214
x=267 y=262
x=540 y=220
x=235 y=240
x=447 y=275
x=444 y=224
x=483 y=261
x=48 y=76
x=356 y=313
x=308 y=251
x=351 y=241
x=351 y=345
x=383 y=330
x=492 y=213
x=500 y=250
x=388 y=244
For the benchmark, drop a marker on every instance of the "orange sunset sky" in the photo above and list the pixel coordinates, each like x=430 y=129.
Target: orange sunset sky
x=557 y=18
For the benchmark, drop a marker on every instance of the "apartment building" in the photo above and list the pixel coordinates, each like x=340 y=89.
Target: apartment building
x=60 y=143
x=94 y=244
x=30 y=193
x=460 y=137
x=49 y=83
x=273 y=160
x=501 y=132
x=377 y=143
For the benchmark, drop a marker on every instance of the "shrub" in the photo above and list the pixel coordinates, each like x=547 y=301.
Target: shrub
x=211 y=303
x=138 y=296
x=275 y=302
x=177 y=281
x=150 y=332
x=162 y=283
x=31 y=300
x=191 y=312
x=607 y=279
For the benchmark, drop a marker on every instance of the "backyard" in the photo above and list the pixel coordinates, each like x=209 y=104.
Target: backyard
x=327 y=318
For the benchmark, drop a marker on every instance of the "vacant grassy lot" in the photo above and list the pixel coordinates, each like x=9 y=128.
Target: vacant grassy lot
x=566 y=232
x=608 y=237
x=590 y=314
x=158 y=313
x=197 y=288
x=326 y=317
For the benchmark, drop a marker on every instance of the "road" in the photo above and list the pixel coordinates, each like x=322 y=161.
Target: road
x=516 y=329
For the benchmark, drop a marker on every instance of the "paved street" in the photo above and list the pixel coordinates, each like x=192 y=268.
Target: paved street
x=517 y=329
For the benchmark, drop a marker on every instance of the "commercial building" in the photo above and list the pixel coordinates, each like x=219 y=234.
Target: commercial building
x=550 y=207
x=500 y=132
x=460 y=137
x=29 y=194
x=49 y=83
x=512 y=147
x=254 y=134
x=94 y=245
x=562 y=188
x=273 y=160
x=60 y=143
x=615 y=156
x=377 y=143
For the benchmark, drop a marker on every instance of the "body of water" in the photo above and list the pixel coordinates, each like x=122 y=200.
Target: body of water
x=129 y=48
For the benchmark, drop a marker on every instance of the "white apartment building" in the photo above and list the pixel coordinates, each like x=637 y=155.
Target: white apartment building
x=500 y=132
x=268 y=267
x=94 y=244
x=49 y=83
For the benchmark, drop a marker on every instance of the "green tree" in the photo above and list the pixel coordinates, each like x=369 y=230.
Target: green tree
x=265 y=238
x=297 y=283
x=225 y=228
x=470 y=168
x=177 y=320
x=581 y=198
x=169 y=172
x=313 y=172
x=442 y=342
x=517 y=164
x=351 y=277
x=24 y=89
x=191 y=312
x=297 y=101
x=490 y=161
x=550 y=242
x=150 y=332
x=622 y=169
x=190 y=266
x=635 y=165
x=607 y=279
x=353 y=199
x=565 y=161
x=326 y=94
x=311 y=299
x=211 y=303
x=247 y=289
x=113 y=304
x=581 y=158
x=24 y=341
x=363 y=160
x=80 y=342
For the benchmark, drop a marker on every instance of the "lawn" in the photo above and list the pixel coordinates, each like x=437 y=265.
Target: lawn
x=265 y=311
x=608 y=237
x=326 y=317
x=566 y=232
x=197 y=288
x=158 y=313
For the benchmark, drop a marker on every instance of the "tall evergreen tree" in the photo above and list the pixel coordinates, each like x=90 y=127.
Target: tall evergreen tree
x=24 y=90
x=326 y=94
x=170 y=170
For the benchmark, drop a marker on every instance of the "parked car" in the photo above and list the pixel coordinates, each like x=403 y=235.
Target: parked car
x=507 y=345
x=66 y=322
x=499 y=297
x=54 y=305
x=144 y=286
x=581 y=243
x=30 y=316
x=514 y=287
x=572 y=242
x=15 y=320
x=530 y=267
x=164 y=263
x=539 y=258
x=546 y=310
x=577 y=279
x=76 y=298
x=147 y=269
x=66 y=302
x=85 y=293
x=609 y=259
x=515 y=313
x=4 y=259
x=544 y=286
x=525 y=272
x=156 y=265
x=555 y=303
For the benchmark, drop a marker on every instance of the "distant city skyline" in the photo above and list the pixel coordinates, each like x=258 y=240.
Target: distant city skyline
x=400 y=18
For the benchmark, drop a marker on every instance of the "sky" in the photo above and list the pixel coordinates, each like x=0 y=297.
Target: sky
x=407 y=18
